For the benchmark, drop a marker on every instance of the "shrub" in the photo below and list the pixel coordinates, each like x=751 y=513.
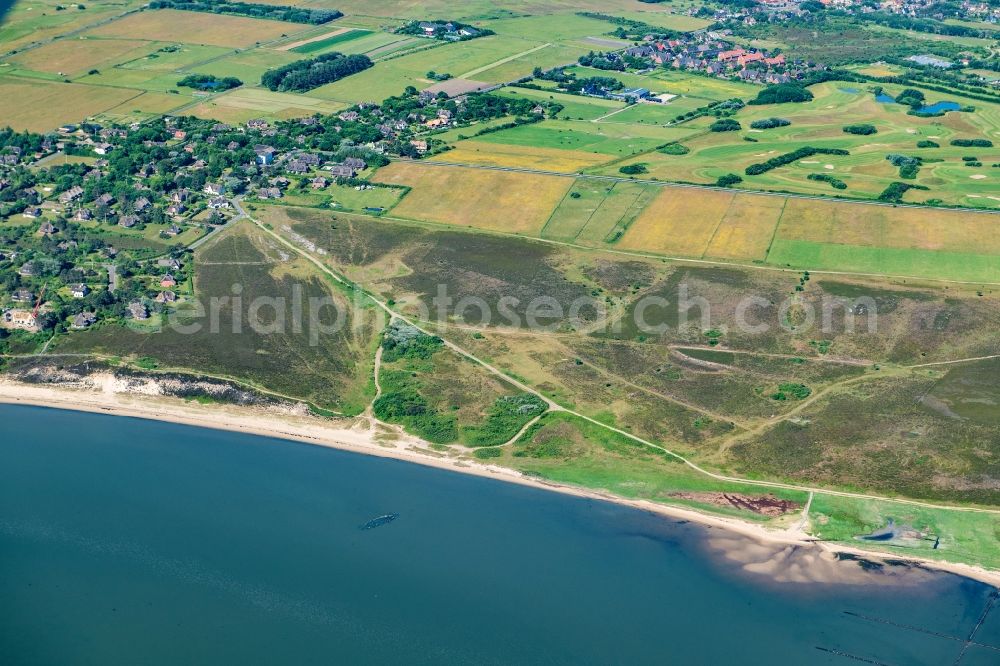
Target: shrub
x=927 y=144
x=728 y=180
x=835 y=183
x=674 y=149
x=861 y=129
x=633 y=169
x=404 y=341
x=791 y=390
x=725 y=125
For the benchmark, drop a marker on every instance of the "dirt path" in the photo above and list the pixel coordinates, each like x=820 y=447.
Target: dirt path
x=555 y=407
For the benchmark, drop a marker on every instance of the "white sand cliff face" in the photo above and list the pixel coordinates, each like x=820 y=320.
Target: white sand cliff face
x=787 y=555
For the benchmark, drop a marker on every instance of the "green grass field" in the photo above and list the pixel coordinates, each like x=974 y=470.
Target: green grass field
x=966 y=267
x=324 y=44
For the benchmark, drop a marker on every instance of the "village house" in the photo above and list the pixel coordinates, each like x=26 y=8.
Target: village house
x=269 y=193
x=355 y=163
x=218 y=202
x=138 y=310
x=79 y=290
x=319 y=183
x=22 y=295
x=103 y=148
x=214 y=188
x=141 y=205
x=176 y=209
x=72 y=194
x=168 y=281
x=47 y=229
x=340 y=171
x=32 y=212
x=166 y=297
x=24 y=320
x=128 y=221
x=83 y=320
x=170 y=263
x=265 y=154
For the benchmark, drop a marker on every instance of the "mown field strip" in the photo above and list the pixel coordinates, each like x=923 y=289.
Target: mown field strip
x=471 y=73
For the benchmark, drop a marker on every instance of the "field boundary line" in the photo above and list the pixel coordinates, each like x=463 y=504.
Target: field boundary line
x=718 y=225
x=774 y=232
x=503 y=61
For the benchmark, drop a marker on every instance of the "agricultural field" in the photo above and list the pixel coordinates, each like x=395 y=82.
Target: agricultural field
x=496 y=200
x=169 y=25
x=73 y=57
x=532 y=157
x=40 y=106
x=248 y=66
x=25 y=23
x=391 y=77
x=242 y=104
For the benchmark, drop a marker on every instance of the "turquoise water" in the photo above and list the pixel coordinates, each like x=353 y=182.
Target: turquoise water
x=885 y=99
x=125 y=541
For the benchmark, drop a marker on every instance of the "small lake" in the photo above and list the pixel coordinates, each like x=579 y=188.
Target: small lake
x=938 y=107
x=124 y=541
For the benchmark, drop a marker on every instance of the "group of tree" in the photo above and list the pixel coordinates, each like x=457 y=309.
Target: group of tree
x=861 y=129
x=209 y=82
x=303 y=75
x=834 y=182
x=780 y=93
x=601 y=61
x=908 y=165
x=253 y=10
x=788 y=158
x=770 y=123
x=725 y=125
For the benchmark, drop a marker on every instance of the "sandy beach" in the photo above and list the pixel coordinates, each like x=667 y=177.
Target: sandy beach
x=788 y=554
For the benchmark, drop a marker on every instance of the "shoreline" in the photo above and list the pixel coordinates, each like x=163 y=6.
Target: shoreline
x=361 y=438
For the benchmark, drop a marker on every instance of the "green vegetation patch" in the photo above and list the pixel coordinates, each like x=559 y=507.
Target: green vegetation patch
x=323 y=44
